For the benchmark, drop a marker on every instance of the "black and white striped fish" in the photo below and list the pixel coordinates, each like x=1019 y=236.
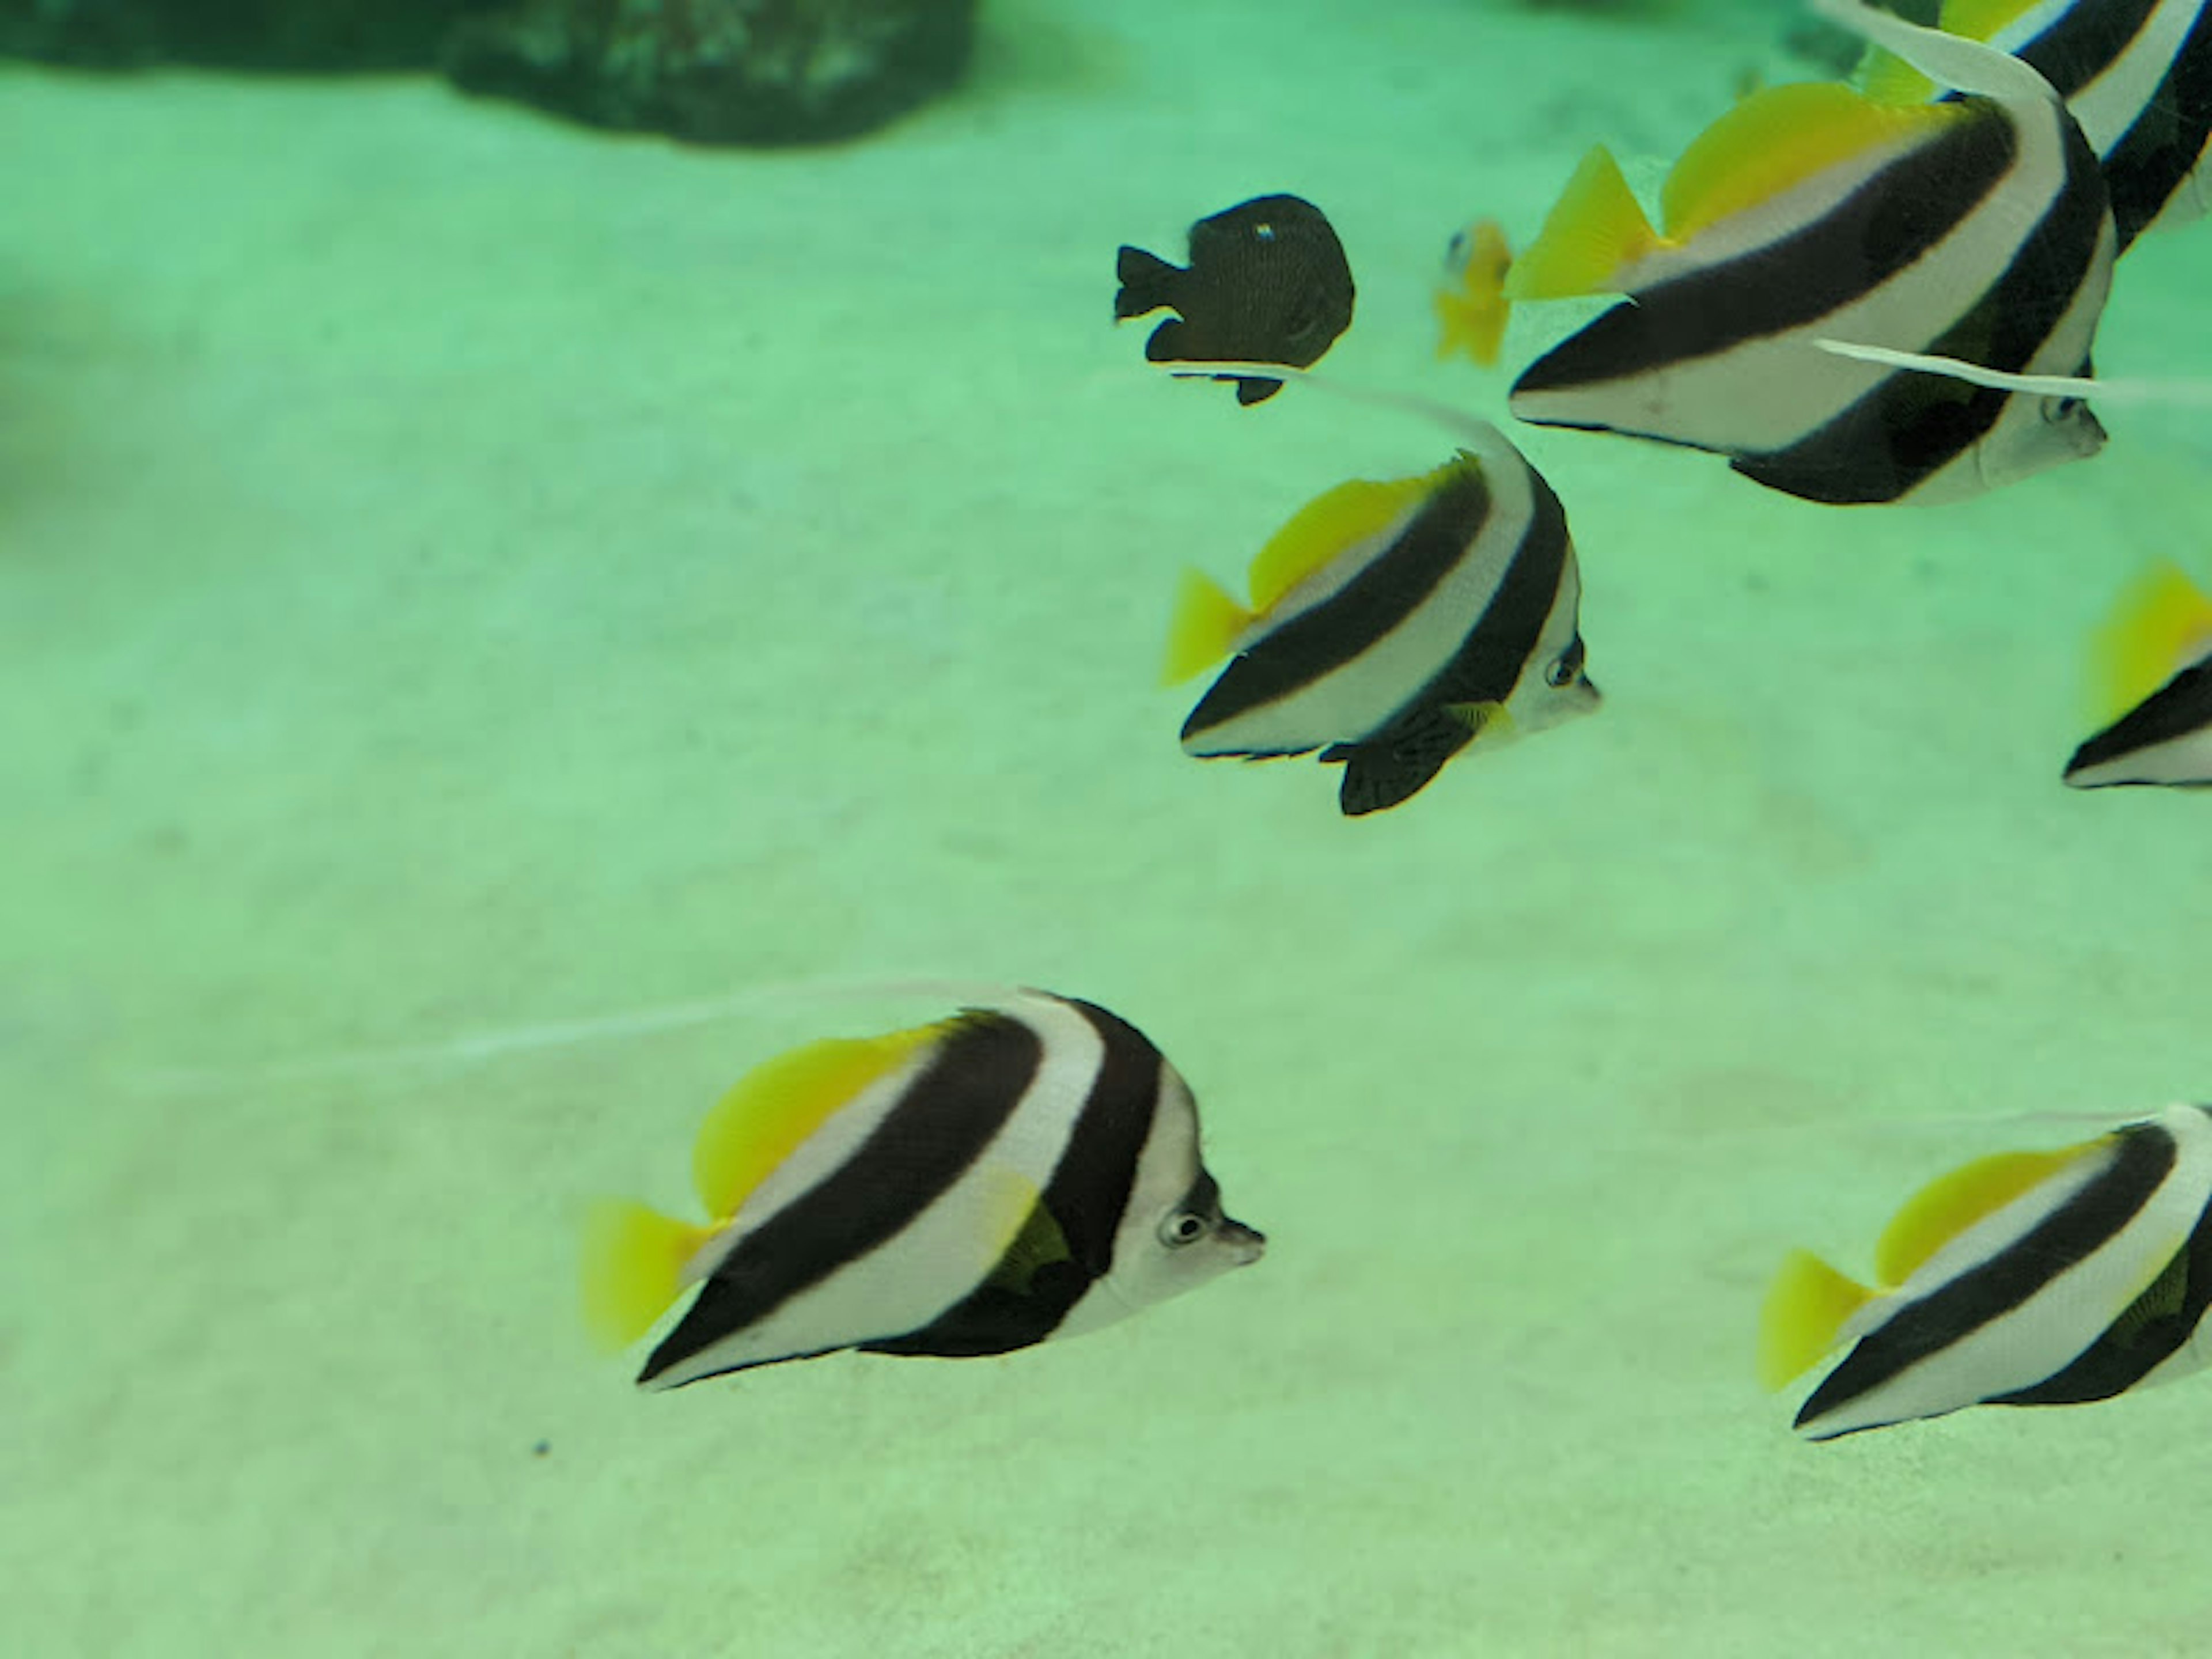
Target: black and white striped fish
x=2027 y=1278
x=2137 y=74
x=1393 y=623
x=1976 y=230
x=1020 y=1171
x=2154 y=667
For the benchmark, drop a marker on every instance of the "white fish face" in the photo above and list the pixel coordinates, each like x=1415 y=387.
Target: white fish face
x=1173 y=1235
x=2034 y=435
x=1553 y=685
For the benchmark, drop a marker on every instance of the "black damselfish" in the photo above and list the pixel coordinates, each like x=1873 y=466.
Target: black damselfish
x=1267 y=283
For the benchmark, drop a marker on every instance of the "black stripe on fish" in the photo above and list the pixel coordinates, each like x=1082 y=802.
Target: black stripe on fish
x=1912 y=425
x=978 y=1074
x=1395 y=762
x=2179 y=708
x=1391 y=588
x=1086 y=1198
x=2165 y=143
x=2142 y=1158
x=1891 y=220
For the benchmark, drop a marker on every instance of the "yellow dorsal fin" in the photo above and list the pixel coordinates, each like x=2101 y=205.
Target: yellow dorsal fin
x=1806 y=1306
x=1885 y=78
x=634 y=1260
x=1982 y=20
x=1951 y=1203
x=778 y=1104
x=1776 y=139
x=1333 y=521
x=1206 y=625
x=1595 y=231
x=1472 y=307
x=2161 y=625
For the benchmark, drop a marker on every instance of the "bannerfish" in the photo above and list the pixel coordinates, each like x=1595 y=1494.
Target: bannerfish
x=2026 y=1278
x=1267 y=283
x=1470 y=300
x=1976 y=230
x=2136 y=74
x=2153 y=664
x=1018 y=1172
x=1391 y=624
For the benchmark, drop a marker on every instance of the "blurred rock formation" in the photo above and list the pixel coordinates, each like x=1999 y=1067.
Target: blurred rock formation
x=720 y=72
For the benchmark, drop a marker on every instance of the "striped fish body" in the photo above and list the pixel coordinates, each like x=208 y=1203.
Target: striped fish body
x=2165 y=739
x=1024 y=1171
x=1457 y=619
x=2091 y=1282
x=1985 y=237
x=2137 y=76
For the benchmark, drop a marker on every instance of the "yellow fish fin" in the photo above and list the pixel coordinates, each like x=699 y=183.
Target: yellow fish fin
x=1595 y=231
x=1885 y=78
x=1471 y=309
x=1480 y=717
x=1206 y=625
x=1777 y=139
x=1805 y=1308
x=1036 y=1241
x=1951 y=1203
x=2160 y=625
x=634 y=1260
x=1981 y=20
x=1333 y=521
x=779 y=1103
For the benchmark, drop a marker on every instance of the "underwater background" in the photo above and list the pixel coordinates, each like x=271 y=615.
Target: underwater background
x=506 y=626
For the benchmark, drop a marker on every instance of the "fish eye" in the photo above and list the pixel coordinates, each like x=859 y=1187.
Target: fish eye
x=1184 y=1227
x=2058 y=410
x=1560 y=673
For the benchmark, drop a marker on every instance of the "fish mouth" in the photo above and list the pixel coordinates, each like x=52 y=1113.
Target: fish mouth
x=1246 y=1244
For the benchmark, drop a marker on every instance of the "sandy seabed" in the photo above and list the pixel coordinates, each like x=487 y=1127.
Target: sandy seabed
x=460 y=575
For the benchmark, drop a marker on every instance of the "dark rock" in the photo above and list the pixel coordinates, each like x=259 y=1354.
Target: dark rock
x=269 y=35
x=720 y=72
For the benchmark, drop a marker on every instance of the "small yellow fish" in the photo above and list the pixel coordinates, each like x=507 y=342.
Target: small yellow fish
x=1470 y=297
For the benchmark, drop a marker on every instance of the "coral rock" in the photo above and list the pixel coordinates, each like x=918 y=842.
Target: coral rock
x=720 y=72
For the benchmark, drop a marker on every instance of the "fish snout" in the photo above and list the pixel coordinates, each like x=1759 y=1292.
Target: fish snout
x=1246 y=1244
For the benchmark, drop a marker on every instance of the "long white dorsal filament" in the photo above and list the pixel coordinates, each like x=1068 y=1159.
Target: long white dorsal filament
x=2191 y=392
x=1479 y=434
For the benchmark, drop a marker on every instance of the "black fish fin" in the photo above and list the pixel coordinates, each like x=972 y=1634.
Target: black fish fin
x=1382 y=772
x=1250 y=391
x=1148 y=283
x=1162 y=348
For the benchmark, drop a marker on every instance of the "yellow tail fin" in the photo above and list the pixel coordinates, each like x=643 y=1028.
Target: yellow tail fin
x=2161 y=623
x=633 y=1259
x=1595 y=231
x=1805 y=1308
x=1207 y=623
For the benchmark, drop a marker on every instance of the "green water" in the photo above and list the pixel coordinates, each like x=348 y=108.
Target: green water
x=466 y=577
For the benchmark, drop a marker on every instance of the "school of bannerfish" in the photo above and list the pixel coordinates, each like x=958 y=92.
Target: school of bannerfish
x=1029 y=1168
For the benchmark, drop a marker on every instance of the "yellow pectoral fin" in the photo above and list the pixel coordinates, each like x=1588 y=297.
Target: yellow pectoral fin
x=778 y=1104
x=1036 y=1241
x=1778 y=138
x=1595 y=232
x=1951 y=1203
x=1805 y=1308
x=633 y=1268
x=2161 y=625
x=1207 y=623
x=1483 y=718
